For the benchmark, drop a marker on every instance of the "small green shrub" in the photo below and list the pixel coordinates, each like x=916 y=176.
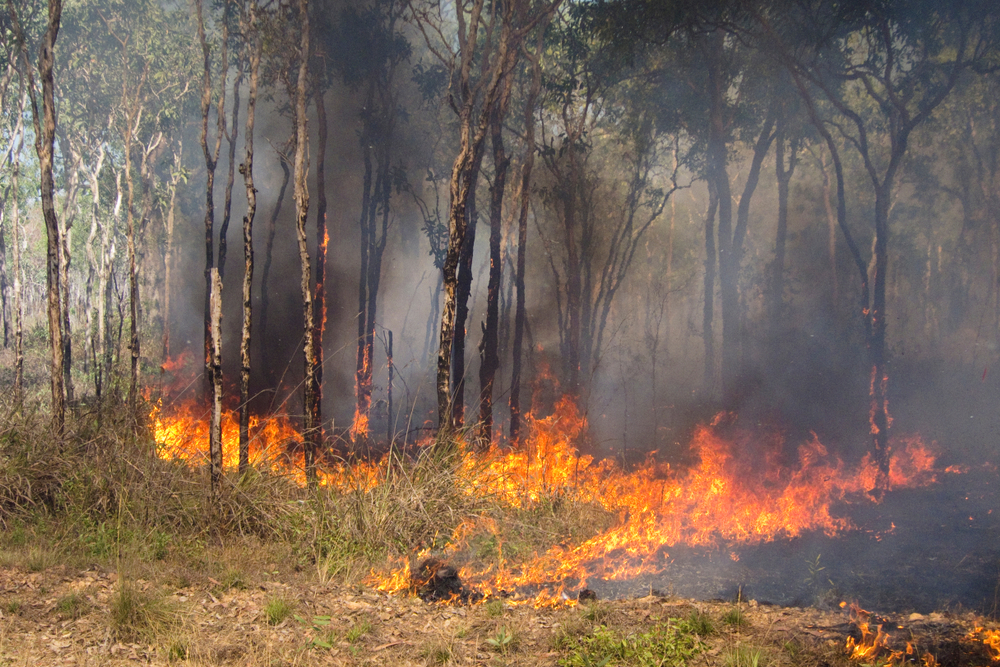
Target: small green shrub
x=701 y=623
x=504 y=641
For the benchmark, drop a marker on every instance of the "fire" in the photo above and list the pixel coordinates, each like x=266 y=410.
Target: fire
x=989 y=638
x=741 y=489
x=359 y=427
x=875 y=644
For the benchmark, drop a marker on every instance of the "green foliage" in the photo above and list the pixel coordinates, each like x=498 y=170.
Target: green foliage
x=504 y=641
x=277 y=609
x=669 y=644
x=701 y=624
x=357 y=631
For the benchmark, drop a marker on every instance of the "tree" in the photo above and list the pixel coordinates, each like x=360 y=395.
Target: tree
x=301 y=214
x=489 y=37
x=249 y=26
x=886 y=68
x=45 y=129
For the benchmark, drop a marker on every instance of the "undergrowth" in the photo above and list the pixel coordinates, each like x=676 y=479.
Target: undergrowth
x=100 y=492
x=672 y=643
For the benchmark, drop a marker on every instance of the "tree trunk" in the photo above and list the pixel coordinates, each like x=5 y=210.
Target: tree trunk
x=520 y=312
x=489 y=357
x=322 y=240
x=231 y=136
x=462 y=294
x=246 y=169
x=133 y=284
x=168 y=252
x=301 y=216
x=362 y=374
x=45 y=129
x=211 y=161
x=708 y=312
x=215 y=429
x=731 y=255
x=464 y=176
x=65 y=241
x=784 y=176
x=18 y=281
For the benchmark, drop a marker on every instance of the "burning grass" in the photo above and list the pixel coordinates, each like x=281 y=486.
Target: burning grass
x=541 y=520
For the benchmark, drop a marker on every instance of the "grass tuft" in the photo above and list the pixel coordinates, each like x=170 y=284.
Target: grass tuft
x=735 y=618
x=278 y=609
x=136 y=614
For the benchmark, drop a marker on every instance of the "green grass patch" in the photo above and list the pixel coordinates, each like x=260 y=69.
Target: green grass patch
x=669 y=644
x=278 y=609
x=743 y=655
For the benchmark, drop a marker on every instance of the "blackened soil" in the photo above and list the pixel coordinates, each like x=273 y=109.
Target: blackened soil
x=920 y=550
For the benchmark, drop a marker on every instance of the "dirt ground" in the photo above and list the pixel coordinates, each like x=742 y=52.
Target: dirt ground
x=61 y=616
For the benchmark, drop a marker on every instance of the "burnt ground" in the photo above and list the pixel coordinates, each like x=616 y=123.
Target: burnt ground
x=920 y=550
x=335 y=624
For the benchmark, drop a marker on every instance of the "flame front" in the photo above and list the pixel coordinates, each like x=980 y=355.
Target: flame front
x=741 y=489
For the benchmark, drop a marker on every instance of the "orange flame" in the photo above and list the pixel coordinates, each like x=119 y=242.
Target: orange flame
x=989 y=638
x=875 y=644
x=742 y=489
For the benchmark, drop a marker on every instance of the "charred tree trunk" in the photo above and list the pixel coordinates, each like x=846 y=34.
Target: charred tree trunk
x=489 y=356
x=301 y=217
x=388 y=390
x=359 y=428
x=246 y=169
x=473 y=126
x=322 y=240
x=463 y=291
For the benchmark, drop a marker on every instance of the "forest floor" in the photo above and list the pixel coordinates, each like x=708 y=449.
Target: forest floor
x=267 y=613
